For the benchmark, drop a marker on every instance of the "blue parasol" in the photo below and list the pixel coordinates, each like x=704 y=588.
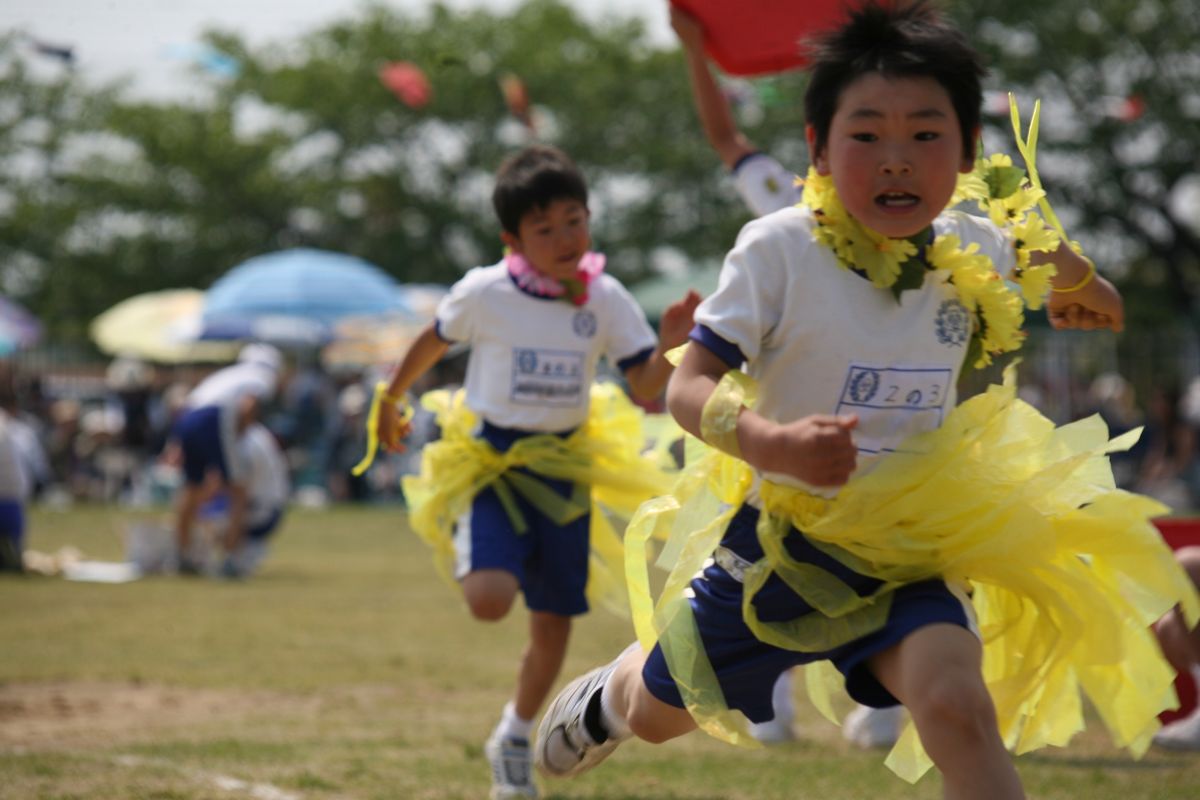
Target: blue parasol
x=18 y=328
x=297 y=297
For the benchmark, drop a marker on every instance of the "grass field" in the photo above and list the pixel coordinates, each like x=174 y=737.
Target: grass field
x=347 y=670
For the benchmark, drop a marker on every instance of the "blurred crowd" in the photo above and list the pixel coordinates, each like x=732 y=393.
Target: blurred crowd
x=101 y=440
x=101 y=437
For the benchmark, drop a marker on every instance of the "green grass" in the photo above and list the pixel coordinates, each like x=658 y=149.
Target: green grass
x=348 y=671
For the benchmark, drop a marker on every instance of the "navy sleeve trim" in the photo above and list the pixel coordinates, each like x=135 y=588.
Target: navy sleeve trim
x=640 y=357
x=437 y=330
x=725 y=350
x=738 y=164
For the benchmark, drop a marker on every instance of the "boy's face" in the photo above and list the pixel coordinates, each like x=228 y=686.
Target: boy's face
x=894 y=152
x=553 y=238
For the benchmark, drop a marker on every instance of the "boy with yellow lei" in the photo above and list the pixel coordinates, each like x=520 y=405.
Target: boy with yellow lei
x=975 y=564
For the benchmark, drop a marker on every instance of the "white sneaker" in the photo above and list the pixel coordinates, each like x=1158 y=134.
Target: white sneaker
x=873 y=727
x=512 y=767
x=773 y=731
x=564 y=747
x=1182 y=734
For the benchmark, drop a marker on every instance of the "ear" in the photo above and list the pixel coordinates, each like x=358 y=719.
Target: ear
x=819 y=161
x=511 y=241
x=968 y=163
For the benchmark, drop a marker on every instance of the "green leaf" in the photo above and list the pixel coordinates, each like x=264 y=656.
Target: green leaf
x=1004 y=181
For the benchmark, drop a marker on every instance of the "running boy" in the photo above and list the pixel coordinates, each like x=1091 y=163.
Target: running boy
x=853 y=343
x=765 y=185
x=537 y=324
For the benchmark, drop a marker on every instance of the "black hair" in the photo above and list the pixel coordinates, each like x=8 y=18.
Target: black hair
x=533 y=179
x=897 y=39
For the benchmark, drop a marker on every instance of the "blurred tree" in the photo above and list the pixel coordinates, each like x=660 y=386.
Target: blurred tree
x=1120 y=83
x=301 y=143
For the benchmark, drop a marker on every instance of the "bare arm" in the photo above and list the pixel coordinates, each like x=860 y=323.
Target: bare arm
x=425 y=351
x=712 y=107
x=817 y=449
x=648 y=379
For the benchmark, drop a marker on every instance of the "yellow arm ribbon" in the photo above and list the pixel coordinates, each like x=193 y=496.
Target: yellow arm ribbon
x=719 y=417
x=379 y=396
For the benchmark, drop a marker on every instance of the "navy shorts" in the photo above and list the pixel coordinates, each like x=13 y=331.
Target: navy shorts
x=550 y=561
x=747 y=668
x=202 y=438
x=264 y=529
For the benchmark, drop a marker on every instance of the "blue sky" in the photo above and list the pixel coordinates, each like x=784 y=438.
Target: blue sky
x=114 y=38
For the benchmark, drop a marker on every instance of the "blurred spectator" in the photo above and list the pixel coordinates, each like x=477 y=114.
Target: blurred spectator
x=132 y=383
x=13 y=492
x=27 y=443
x=64 y=459
x=267 y=491
x=1111 y=396
x=1170 y=451
x=349 y=443
x=218 y=412
x=307 y=414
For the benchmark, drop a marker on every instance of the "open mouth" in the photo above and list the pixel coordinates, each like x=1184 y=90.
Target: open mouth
x=897 y=200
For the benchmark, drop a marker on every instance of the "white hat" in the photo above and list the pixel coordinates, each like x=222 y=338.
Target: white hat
x=262 y=354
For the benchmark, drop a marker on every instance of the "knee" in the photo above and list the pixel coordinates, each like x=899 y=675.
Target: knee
x=489 y=594
x=488 y=606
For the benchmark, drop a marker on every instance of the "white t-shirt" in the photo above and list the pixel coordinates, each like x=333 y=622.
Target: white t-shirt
x=228 y=385
x=822 y=340
x=765 y=184
x=267 y=486
x=533 y=359
x=14 y=484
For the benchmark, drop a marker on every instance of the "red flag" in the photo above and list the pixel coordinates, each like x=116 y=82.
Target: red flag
x=406 y=80
x=757 y=37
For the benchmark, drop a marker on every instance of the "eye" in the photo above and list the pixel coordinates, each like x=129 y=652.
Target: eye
x=927 y=136
x=863 y=137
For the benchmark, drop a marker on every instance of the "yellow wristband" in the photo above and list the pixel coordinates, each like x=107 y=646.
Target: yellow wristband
x=718 y=418
x=1091 y=273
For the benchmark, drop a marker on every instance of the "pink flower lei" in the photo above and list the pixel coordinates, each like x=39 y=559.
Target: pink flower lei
x=573 y=290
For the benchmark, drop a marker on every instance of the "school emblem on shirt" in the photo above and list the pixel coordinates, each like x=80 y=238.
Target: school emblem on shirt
x=953 y=324
x=584 y=323
x=864 y=383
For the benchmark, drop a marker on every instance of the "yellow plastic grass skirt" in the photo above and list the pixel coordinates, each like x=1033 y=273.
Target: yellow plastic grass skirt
x=1066 y=571
x=603 y=454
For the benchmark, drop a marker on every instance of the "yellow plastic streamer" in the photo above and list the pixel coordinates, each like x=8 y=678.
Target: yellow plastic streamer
x=602 y=458
x=719 y=417
x=1067 y=571
x=1027 y=147
x=377 y=400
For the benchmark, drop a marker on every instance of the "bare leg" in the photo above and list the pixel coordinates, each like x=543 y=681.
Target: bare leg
x=185 y=516
x=543 y=658
x=936 y=673
x=649 y=718
x=1179 y=645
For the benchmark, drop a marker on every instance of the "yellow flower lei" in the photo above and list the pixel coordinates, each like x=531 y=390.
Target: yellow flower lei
x=1009 y=197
